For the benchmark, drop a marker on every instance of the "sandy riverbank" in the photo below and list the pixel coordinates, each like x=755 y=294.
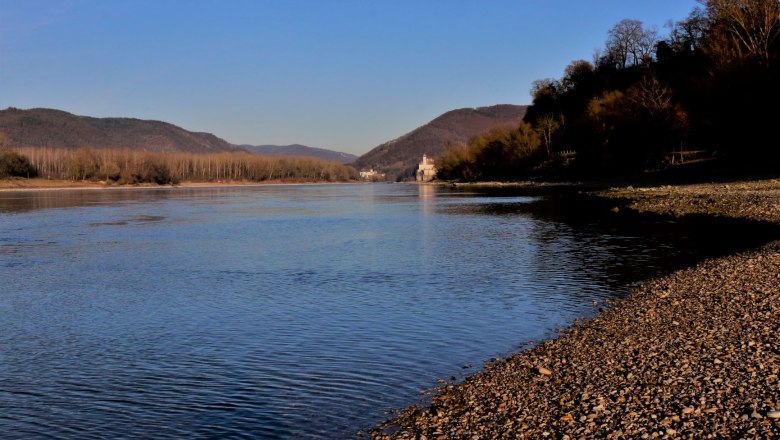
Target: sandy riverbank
x=691 y=355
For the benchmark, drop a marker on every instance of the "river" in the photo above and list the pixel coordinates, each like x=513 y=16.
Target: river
x=290 y=311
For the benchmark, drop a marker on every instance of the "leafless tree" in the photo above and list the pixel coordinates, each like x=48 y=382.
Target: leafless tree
x=651 y=96
x=744 y=29
x=543 y=88
x=546 y=127
x=688 y=34
x=630 y=44
x=132 y=166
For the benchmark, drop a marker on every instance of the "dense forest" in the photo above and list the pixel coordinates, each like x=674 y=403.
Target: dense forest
x=127 y=166
x=708 y=90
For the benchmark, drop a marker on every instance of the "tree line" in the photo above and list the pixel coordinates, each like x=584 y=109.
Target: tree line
x=126 y=166
x=498 y=154
x=710 y=85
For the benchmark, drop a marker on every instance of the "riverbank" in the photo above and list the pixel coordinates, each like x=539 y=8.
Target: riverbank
x=757 y=200
x=20 y=184
x=690 y=355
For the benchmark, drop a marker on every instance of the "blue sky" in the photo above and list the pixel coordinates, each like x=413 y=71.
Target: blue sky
x=345 y=75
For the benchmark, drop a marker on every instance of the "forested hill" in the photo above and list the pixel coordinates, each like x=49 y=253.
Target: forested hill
x=42 y=127
x=298 y=150
x=400 y=156
x=697 y=102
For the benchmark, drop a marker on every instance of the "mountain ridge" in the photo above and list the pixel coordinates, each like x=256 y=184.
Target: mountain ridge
x=44 y=127
x=300 y=150
x=398 y=157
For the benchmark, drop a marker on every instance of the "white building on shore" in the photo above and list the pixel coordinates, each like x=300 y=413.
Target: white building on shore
x=426 y=170
x=372 y=175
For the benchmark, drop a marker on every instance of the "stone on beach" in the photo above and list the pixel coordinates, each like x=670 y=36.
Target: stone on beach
x=543 y=371
x=704 y=364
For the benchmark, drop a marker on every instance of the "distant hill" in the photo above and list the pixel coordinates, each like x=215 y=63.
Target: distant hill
x=299 y=150
x=40 y=127
x=400 y=156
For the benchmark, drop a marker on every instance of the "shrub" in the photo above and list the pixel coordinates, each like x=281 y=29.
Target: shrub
x=15 y=165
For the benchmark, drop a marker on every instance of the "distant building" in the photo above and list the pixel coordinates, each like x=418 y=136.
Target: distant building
x=372 y=175
x=426 y=170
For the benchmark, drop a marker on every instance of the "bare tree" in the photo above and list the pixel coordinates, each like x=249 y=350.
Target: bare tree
x=652 y=96
x=647 y=44
x=543 y=88
x=630 y=44
x=747 y=28
x=688 y=34
x=546 y=127
x=132 y=166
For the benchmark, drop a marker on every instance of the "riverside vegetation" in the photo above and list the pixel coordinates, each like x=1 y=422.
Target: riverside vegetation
x=126 y=166
x=690 y=355
x=704 y=91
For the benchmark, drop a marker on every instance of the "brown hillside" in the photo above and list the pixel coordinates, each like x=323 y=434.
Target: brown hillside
x=58 y=129
x=399 y=156
x=298 y=150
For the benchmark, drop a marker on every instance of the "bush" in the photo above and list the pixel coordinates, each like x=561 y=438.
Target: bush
x=148 y=171
x=15 y=165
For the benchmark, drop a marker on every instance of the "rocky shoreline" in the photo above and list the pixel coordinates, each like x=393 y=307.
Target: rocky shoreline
x=694 y=354
x=756 y=200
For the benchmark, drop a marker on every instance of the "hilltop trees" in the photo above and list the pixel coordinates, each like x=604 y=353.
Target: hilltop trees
x=630 y=44
x=740 y=48
x=743 y=30
x=708 y=86
x=705 y=86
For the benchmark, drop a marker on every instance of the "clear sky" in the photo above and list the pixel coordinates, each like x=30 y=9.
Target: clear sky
x=345 y=75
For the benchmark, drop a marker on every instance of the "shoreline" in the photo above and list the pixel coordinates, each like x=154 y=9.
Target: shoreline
x=693 y=354
x=34 y=185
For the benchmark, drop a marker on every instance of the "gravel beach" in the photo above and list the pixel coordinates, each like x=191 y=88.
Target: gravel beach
x=694 y=354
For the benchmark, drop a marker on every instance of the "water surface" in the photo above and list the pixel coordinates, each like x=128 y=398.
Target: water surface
x=288 y=312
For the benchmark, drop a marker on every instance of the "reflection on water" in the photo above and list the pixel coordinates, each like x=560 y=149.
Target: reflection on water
x=289 y=312
x=427 y=197
x=22 y=201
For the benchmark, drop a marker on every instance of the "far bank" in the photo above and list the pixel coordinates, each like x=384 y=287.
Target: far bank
x=55 y=185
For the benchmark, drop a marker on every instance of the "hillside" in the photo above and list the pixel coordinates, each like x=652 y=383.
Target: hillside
x=41 y=127
x=400 y=156
x=299 y=151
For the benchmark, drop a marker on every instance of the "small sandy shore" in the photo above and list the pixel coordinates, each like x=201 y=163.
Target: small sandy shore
x=694 y=354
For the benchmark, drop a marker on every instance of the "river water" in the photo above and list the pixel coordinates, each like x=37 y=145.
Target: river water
x=290 y=311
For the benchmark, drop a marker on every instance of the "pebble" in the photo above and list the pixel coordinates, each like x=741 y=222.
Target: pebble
x=610 y=370
x=543 y=371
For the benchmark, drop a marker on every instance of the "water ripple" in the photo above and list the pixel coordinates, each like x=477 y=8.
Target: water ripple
x=286 y=312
